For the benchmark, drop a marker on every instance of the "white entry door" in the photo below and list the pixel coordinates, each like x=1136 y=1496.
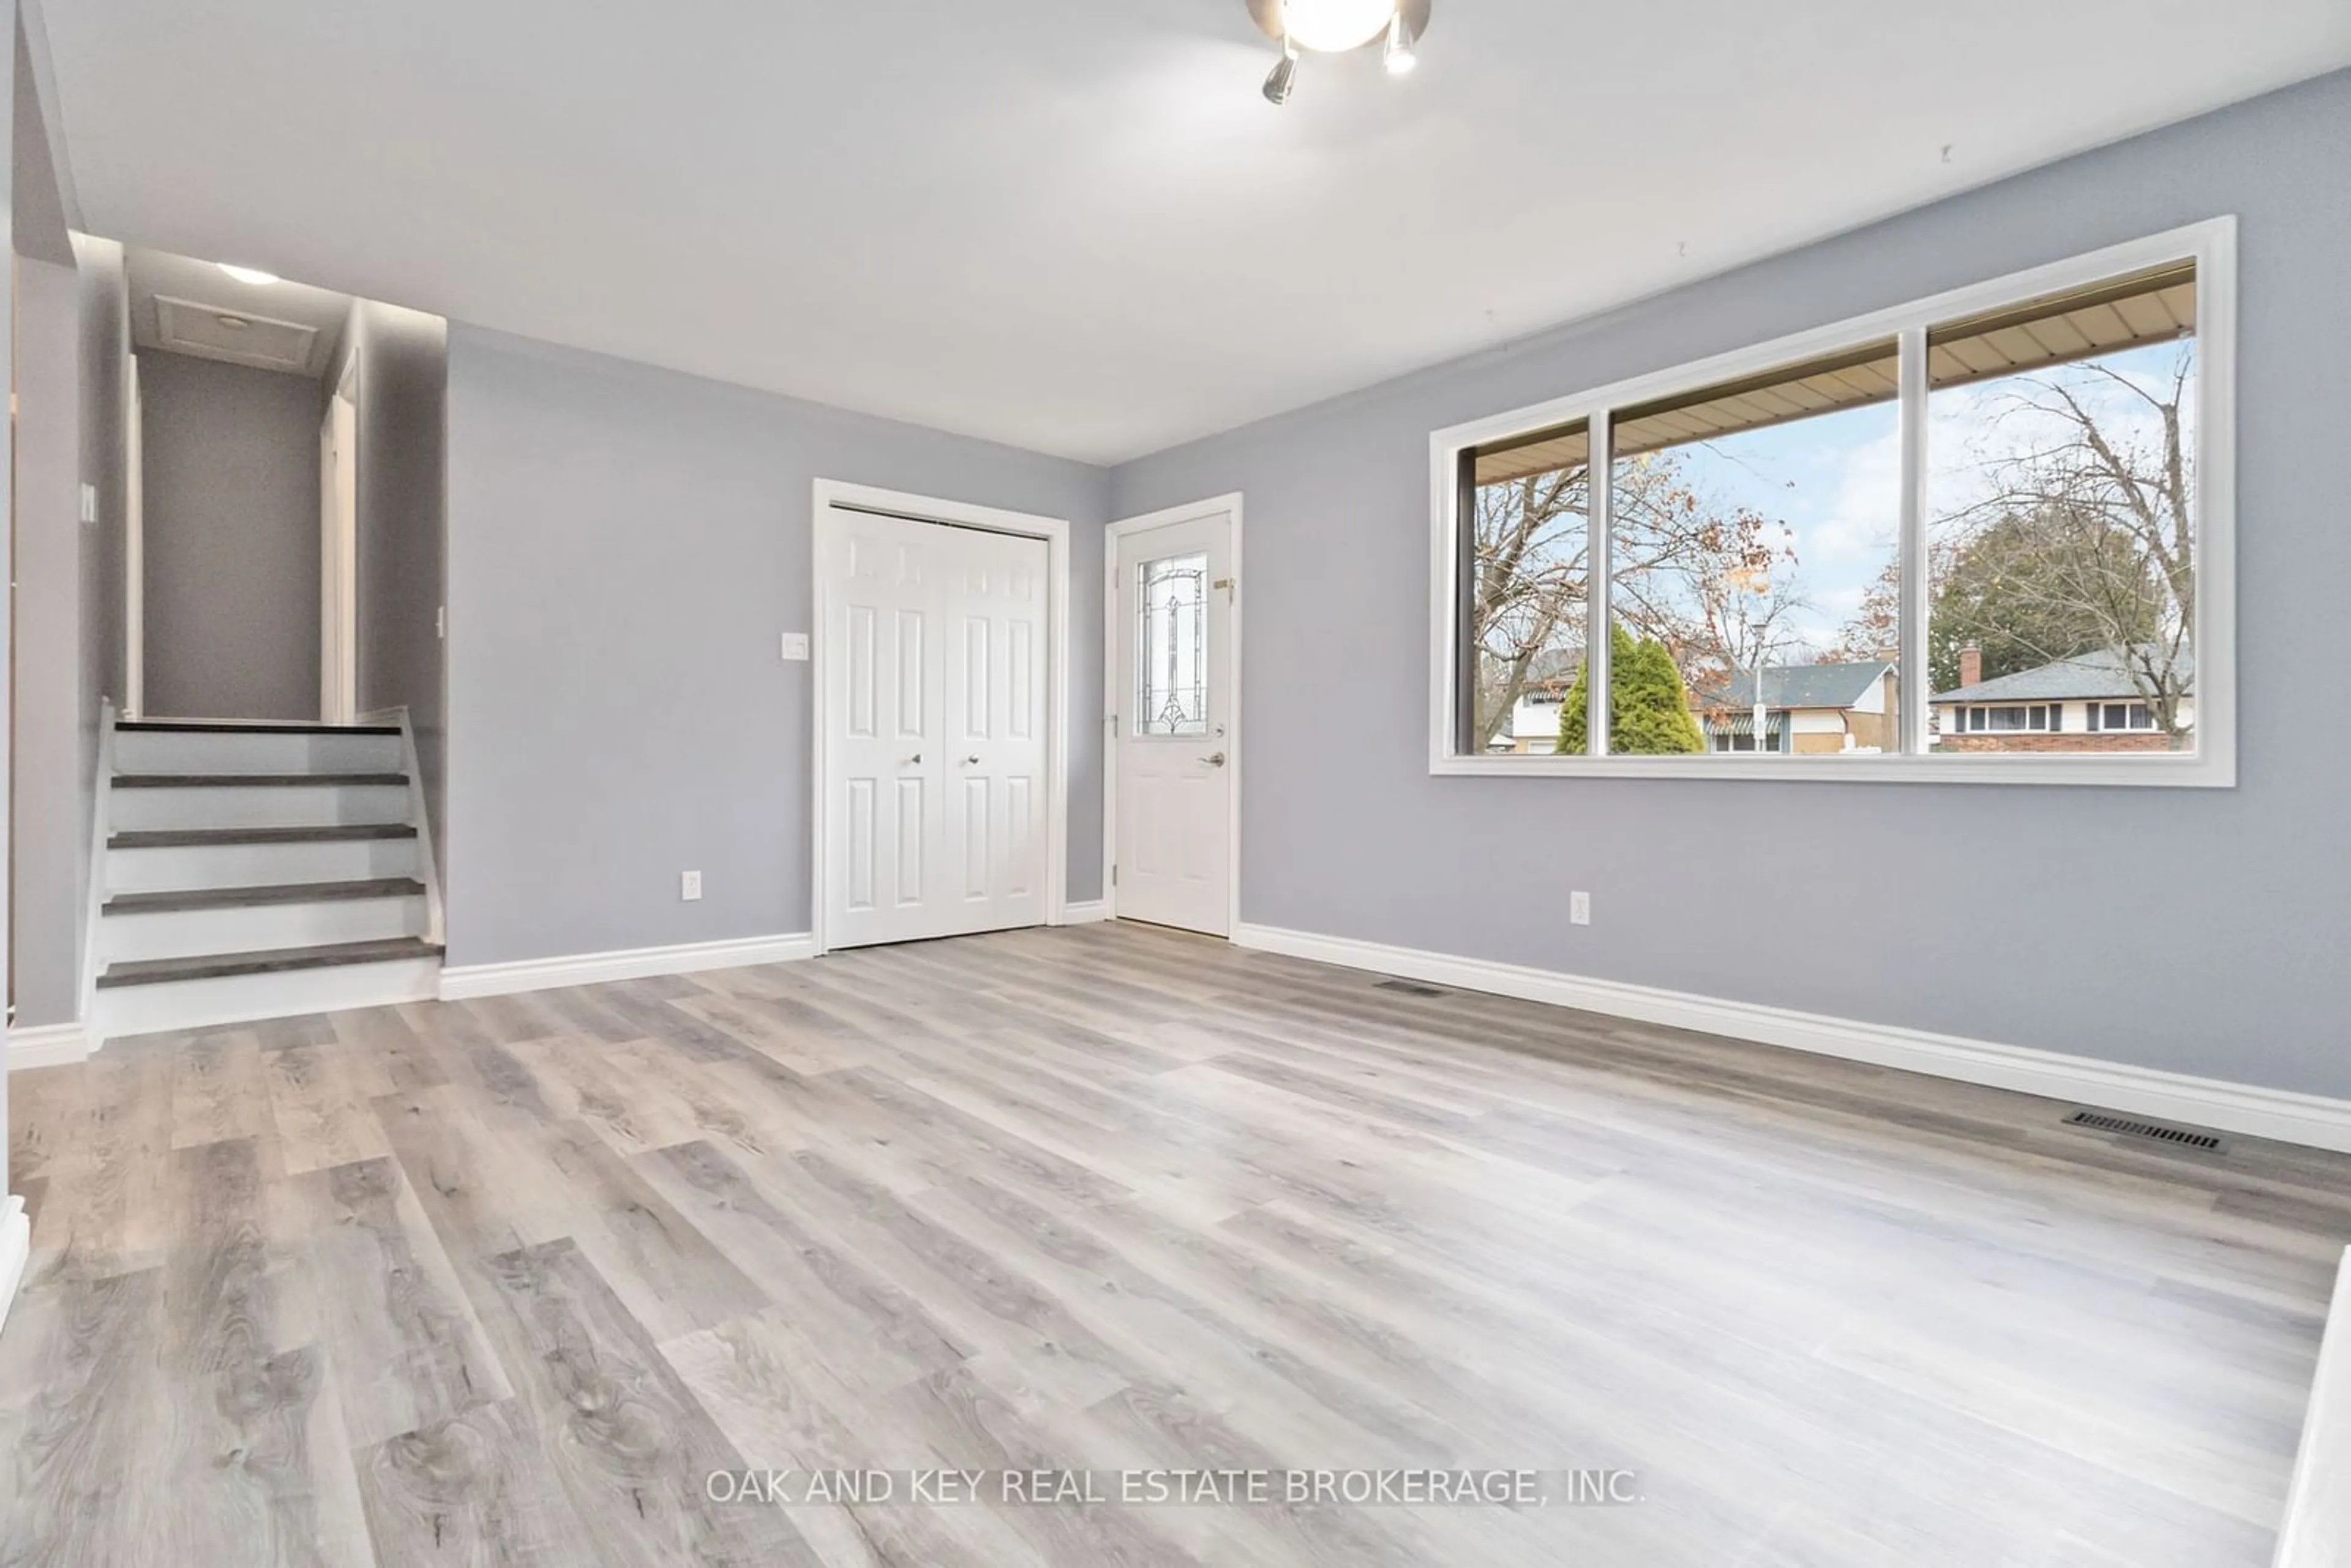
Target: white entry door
x=1173 y=694
x=936 y=748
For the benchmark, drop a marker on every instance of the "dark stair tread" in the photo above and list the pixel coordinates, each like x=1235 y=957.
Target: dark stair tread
x=250 y=780
x=247 y=726
x=255 y=897
x=200 y=838
x=221 y=966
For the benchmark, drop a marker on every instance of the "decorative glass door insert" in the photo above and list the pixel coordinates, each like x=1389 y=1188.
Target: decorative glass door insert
x=1172 y=666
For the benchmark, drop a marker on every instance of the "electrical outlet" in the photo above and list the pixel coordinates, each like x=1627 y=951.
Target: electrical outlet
x=689 y=885
x=1579 y=908
x=796 y=646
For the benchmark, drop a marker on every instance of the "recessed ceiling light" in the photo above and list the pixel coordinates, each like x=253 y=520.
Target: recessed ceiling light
x=1329 y=26
x=248 y=274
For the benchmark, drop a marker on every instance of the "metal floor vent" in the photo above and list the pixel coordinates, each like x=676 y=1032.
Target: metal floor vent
x=1409 y=987
x=2131 y=1127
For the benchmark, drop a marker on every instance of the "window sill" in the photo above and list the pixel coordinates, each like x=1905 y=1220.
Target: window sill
x=2141 y=770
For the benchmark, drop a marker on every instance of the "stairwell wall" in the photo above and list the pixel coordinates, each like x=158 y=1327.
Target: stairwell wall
x=403 y=363
x=231 y=539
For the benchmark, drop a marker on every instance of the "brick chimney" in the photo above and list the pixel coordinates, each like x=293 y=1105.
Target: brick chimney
x=1971 y=665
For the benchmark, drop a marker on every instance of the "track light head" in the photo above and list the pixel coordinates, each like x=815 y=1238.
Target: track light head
x=1398 y=52
x=1283 y=78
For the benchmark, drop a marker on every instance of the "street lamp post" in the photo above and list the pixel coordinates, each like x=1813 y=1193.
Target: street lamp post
x=1755 y=582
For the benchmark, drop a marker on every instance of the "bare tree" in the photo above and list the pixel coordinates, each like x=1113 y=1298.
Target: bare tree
x=2107 y=486
x=1531 y=565
x=1746 y=616
x=1677 y=556
x=1873 y=630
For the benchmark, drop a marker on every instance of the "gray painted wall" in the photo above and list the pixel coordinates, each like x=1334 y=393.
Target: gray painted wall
x=232 y=540
x=402 y=385
x=52 y=764
x=625 y=546
x=35 y=199
x=55 y=699
x=2197 y=931
x=105 y=338
x=8 y=1205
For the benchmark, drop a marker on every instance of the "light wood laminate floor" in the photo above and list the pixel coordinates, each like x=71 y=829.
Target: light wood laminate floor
x=501 y=1282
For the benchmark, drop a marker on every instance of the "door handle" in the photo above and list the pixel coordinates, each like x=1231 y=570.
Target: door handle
x=1215 y=761
x=913 y=761
x=971 y=762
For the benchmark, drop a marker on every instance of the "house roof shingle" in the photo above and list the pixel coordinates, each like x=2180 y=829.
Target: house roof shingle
x=1798 y=685
x=2100 y=675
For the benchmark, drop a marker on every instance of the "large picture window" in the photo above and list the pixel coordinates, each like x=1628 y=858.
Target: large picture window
x=1982 y=537
x=1527 y=576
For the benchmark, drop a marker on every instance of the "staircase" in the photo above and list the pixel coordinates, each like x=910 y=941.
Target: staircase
x=258 y=871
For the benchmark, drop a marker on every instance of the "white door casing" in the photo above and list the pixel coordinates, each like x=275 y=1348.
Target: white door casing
x=937 y=802
x=1174 y=689
x=134 y=541
x=338 y=556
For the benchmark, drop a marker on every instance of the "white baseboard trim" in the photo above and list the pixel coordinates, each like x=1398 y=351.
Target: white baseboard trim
x=50 y=1045
x=1084 y=913
x=16 y=1249
x=2317 y=1530
x=2312 y=1120
x=632 y=964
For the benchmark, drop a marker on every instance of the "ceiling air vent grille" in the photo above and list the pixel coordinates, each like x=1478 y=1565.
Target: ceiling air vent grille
x=1409 y=987
x=2132 y=1128
x=238 y=337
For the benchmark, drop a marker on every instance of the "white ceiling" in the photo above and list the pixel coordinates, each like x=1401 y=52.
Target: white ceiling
x=152 y=274
x=1074 y=224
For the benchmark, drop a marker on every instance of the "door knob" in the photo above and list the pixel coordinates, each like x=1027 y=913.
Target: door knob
x=971 y=762
x=1218 y=760
x=913 y=761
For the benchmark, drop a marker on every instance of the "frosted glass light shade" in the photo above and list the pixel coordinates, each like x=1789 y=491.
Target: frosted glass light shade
x=1330 y=26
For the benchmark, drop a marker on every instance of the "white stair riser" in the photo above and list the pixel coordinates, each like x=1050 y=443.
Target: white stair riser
x=258 y=865
x=240 y=998
x=259 y=806
x=261 y=928
x=246 y=751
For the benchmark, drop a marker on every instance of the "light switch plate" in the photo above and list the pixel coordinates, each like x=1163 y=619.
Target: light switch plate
x=689 y=885
x=88 y=502
x=796 y=646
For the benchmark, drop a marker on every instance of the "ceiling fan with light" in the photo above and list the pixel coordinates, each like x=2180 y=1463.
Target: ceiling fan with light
x=1337 y=27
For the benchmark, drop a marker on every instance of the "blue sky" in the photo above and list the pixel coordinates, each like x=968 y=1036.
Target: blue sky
x=1834 y=480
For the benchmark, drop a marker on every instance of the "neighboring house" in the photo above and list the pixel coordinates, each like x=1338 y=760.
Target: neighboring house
x=1809 y=709
x=2090 y=702
x=1534 y=722
x=1535 y=717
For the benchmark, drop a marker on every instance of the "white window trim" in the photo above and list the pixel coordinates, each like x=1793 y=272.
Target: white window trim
x=2211 y=244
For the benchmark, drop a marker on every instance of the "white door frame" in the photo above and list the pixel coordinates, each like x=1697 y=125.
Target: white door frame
x=134 y=541
x=1113 y=699
x=338 y=643
x=1055 y=532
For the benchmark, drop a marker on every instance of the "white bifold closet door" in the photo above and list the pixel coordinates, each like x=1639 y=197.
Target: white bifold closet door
x=937 y=745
